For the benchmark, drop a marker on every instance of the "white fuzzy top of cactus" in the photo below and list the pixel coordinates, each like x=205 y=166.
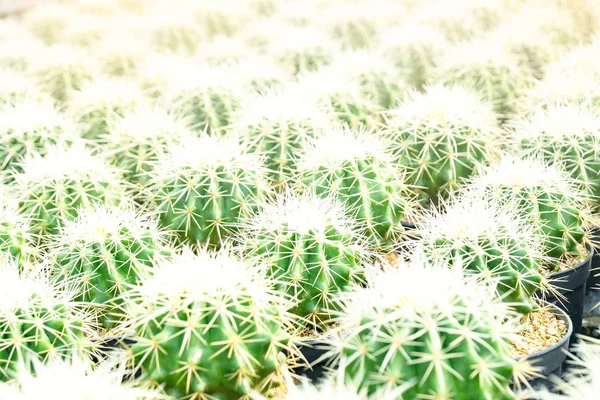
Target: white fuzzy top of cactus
x=61 y=163
x=353 y=63
x=329 y=80
x=59 y=57
x=193 y=79
x=413 y=36
x=562 y=123
x=301 y=214
x=105 y=93
x=260 y=68
x=301 y=40
x=144 y=124
x=340 y=144
x=581 y=58
x=442 y=106
x=75 y=379
x=576 y=85
x=15 y=83
x=225 y=49
x=34 y=116
x=478 y=55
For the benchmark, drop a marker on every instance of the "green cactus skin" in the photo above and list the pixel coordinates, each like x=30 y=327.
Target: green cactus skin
x=311 y=249
x=202 y=187
x=38 y=321
x=440 y=137
x=303 y=50
x=107 y=250
x=429 y=330
x=174 y=31
x=357 y=170
x=54 y=188
x=489 y=242
x=279 y=126
x=207 y=329
x=16 y=240
x=31 y=127
x=544 y=196
x=567 y=135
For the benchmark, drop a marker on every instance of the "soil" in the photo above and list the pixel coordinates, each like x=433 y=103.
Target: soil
x=570 y=261
x=541 y=329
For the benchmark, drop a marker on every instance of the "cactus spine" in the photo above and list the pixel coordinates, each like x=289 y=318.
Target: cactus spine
x=107 y=250
x=311 y=249
x=209 y=326
x=16 y=239
x=440 y=136
x=203 y=186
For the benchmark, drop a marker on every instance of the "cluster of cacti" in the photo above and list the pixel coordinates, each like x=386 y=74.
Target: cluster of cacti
x=142 y=140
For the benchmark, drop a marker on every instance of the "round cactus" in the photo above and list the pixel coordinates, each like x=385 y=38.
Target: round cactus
x=204 y=185
x=98 y=102
x=120 y=55
x=356 y=169
x=135 y=141
x=16 y=87
x=38 y=320
x=18 y=48
x=54 y=188
x=75 y=379
x=441 y=136
x=566 y=134
x=107 y=251
x=547 y=198
x=261 y=75
x=174 y=30
x=429 y=330
x=311 y=249
x=31 y=127
x=48 y=22
x=575 y=87
x=209 y=326
x=495 y=245
x=279 y=126
x=16 y=239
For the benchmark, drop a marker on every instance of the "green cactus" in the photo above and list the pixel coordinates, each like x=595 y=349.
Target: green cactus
x=106 y=251
x=16 y=240
x=441 y=136
x=573 y=87
x=209 y=326
x=565 y=134
x=38 y=320
x=303 y=50
x=490 y=243
x=279 y=125
x=99 y=102
x=202 y=187
x=119 y=55
x=18 y=48
x=311 y=249
x=49 y=21
x=357 y=169
x=135 y=141
x=31 y=127
x=174 y=30
x=546 y=198
x=54 y=188
x=17 y=87
x=262 y=75
x=430 y=331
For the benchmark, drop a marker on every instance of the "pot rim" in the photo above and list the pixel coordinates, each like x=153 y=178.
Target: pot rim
x=579 y=266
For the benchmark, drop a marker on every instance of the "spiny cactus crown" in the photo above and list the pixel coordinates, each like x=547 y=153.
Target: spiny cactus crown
x=546 y=197
x=75 y=379
x=440 y=136
x=209 y=309
x=357 y=170
x=174 y=30
x=204 y=185
x=16 y=240
x=310 y=248
x=565 y=87
x=428 y=328
x=16 y=86
x=493 y=244
x=39 y=320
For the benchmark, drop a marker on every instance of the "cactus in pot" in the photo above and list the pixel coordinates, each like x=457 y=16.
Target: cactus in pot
x=203 y=186
x=440 y=136
x=357 y=170
x=38 y=320
x=106 y=251
x=209 y=326
x=429 y=329
x=54 y=188
x=311 y=249
x=547 y=198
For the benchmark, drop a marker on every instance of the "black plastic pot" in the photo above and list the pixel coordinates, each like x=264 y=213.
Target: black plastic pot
x=593 y=281
x=107 y=345
x=550 y=361
x=571 y=287
x=316 y=362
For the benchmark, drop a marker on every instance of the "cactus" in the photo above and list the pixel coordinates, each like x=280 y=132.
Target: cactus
x=120 y=55
x=76 y=380
x=279 y=126
x=85 y=30
x=174 y=30
x=49 y=21
x=440 y=136
x=209 y=326
x=310 y=248
x=488 y=242
x=204 y=185
x=324 y=391
x=488 y=67
x=31 y=127
x=225 y=52
x=565 y=134
x=262 y=75
x=302 y=50
x=547 y=198
x=38 y=320
x=54 y=188
x=18 y=47
x=135 y=141
x=576 y=87
x=99 y=101
x=431 y=331
x=16 y=87
x=16 y=240
x=107 y=251
x=357 y=169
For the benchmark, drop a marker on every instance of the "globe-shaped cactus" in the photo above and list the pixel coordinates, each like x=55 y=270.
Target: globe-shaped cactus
x=16 y=87
x=16 y=240
x=573 y=87
x=209 y=326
